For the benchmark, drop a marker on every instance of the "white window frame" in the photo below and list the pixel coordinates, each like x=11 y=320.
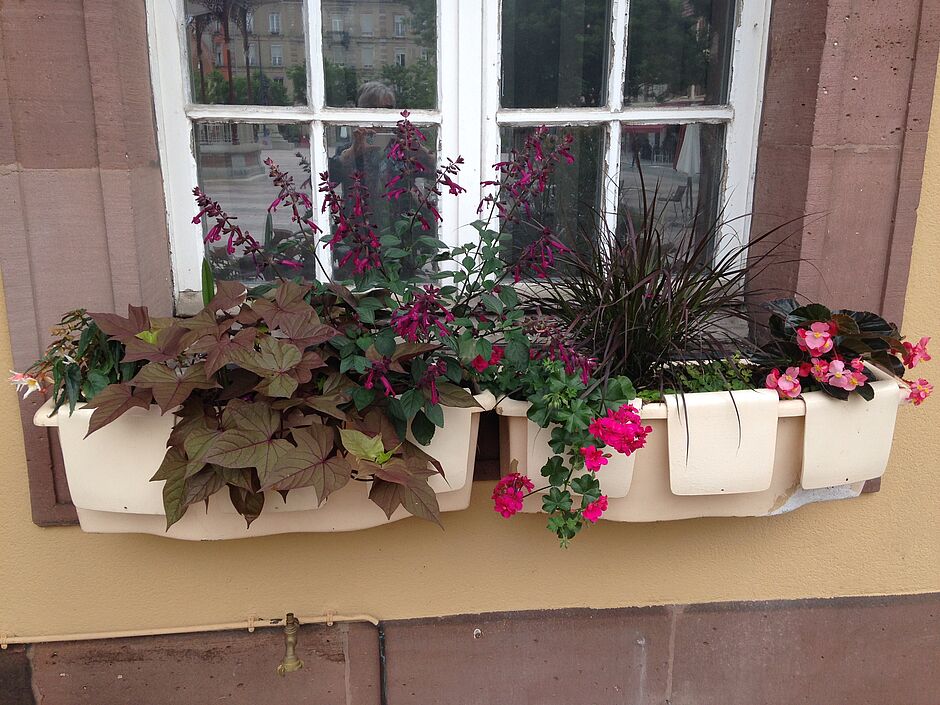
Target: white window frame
x=274 y=23
x=399 y=26
x=470 y=30
x=277 y=58
x=401 y=57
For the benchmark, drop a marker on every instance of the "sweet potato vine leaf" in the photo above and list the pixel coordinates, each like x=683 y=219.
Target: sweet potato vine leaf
x=118 y=327
x=273 y=362
x=247 y=503
x=160 y=346
x=305 y=329
x=228 y=349
x=288 y=301
x=311 y=464
x=176 y=469
x=452 y=395
x=416 y=497
x=248 y=439
x=112 y=401
x=228 y=295
x=171 y=386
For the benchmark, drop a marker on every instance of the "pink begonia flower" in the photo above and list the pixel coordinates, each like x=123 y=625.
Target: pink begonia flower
x=817 y=340
x=594 y=458
x=858 y=364
x=919 y=391
x=24 y=381
x=819 y=369
x=915 y=353
x=622 y=429
x=845 y=379
x=509 y=493
x=787 y=384
x=593 y=511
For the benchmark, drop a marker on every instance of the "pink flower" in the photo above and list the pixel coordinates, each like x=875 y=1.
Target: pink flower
x=594 y=459
x=842 y=378
x=593 y=511
x=914 y=354
x=819 y=369
x=480 y=363
x=858 y=364
x=817 y=340
x=290 y=263
x=509 y=493
x=919 y=391
x=787 y=384
x=378 y=373
x=23 y=381
x=622 y=429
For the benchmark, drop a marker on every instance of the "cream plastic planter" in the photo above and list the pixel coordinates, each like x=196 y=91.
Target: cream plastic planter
x=789 y=453
x=109 y=480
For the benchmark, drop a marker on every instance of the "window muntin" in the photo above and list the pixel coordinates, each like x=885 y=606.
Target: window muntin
x=463 y=70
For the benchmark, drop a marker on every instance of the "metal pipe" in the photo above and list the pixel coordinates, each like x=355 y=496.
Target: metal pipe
x=249 y=624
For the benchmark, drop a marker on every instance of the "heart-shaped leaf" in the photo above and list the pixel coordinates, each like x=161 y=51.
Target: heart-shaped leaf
x=171 y=386
x=417 y=498
x=311 y=464
x=112 y=401
x=120 y=328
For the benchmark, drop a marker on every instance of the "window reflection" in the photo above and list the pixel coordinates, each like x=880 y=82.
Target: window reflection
x=572 y=200
x=555 y=53
x=355 y=149
x=247 y=52
x=373 y=42
x=230 y=158
x=678 y=52
x=680 y=166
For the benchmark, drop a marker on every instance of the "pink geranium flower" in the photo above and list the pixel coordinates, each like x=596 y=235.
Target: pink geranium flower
x=919 y=391
x=509 y=493
x=593 y=511
x=622 y=429
x=787 y=384
x=915 y=353
x=594 y=458
x=817 y=340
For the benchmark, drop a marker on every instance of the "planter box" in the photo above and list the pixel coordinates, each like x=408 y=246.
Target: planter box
x=109 y=480
x=742 y=453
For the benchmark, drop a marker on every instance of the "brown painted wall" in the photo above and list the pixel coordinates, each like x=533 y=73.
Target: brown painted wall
x=871 y=651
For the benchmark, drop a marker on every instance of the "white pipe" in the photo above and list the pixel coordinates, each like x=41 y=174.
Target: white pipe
x=249 y=624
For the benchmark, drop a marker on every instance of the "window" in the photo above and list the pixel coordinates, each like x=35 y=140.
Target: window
x=274 y=23
x=399 y=25
x=685 y=118
x=252 y=55
x=250 y=22
x=337 y=23
x=277 y=55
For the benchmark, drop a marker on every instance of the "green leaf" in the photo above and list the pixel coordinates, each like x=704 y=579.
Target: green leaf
x=556 y=500
x=508 y=296
x=412 y=402
x=452 y=395
x=73 y=385
x=95 y=381
x=435 y=414
x=360 y=445
x=384 y=342
x=113 y=401
x=208 y=282
x=492 y=304
x=367 y=307
x=417 y=498
x=268 y=230
x=362 y=397
x=422 y=428
x=311 y=464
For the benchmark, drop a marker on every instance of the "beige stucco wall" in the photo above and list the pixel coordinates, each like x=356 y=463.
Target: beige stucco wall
x=59 y=580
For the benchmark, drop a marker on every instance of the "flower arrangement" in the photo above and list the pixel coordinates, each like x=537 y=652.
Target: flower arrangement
x=814 y=348
x=297 y=383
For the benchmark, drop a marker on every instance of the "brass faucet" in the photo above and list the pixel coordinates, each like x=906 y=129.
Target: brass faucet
x=290 y=662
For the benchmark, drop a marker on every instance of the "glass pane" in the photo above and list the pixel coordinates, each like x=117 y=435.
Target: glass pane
x=678 y=52
x=247 y=52
x=679 y=165
x=363 y=150
x=555 y=53
x=570 y=203
x=380 y=54
x=230 y=157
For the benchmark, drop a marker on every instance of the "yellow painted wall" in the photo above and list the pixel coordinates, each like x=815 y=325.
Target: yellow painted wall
x=59 y=580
